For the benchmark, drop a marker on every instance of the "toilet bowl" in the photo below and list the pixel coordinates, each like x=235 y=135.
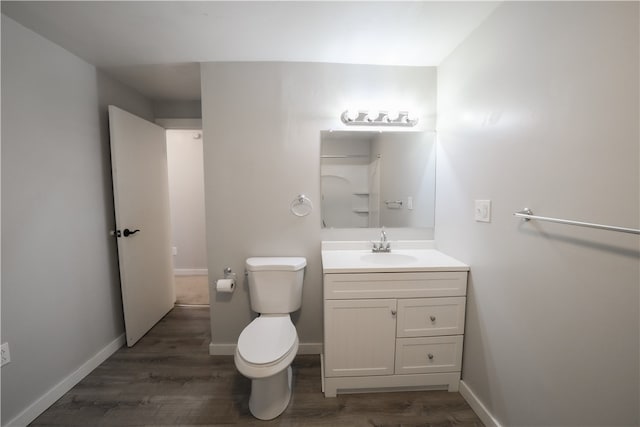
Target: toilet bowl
x=265 y=350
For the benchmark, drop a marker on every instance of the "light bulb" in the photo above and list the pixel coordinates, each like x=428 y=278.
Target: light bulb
x=372 y=116
x=393 y=115
x=412 y=116
x=352 y=115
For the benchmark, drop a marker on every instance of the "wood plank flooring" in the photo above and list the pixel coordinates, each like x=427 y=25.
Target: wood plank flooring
x=168 y=378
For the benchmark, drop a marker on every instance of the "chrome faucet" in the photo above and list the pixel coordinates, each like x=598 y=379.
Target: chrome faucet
x=383 y=245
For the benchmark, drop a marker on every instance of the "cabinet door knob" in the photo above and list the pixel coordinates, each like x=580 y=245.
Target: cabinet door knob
x=430 y=356
x=433 y=318
x=393 y=312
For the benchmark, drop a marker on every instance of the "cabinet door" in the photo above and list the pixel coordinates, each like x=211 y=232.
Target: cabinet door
x=359 y=337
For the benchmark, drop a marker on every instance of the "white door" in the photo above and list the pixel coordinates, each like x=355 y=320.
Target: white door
x=141 y=199
x=359 y=337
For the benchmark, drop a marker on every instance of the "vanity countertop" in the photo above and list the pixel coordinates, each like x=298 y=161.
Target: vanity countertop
x=357 y=257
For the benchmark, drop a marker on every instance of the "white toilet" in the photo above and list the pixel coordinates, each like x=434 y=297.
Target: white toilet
x=268 y=345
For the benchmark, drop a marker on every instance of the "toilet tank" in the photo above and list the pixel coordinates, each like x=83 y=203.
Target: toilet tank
x=275 y=284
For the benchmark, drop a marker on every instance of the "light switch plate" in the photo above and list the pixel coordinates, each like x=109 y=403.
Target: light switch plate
x=482 y=211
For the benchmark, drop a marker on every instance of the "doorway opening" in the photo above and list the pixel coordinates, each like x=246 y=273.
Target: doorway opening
x=186 y=198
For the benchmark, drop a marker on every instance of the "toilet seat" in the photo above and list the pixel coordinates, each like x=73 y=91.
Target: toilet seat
x=267 y=339
x=253 y=371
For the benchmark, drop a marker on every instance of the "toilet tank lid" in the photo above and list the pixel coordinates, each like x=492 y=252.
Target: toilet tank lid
x=276 y=263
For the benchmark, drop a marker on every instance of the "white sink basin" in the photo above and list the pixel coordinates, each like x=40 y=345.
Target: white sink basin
x=405 y=256
x=388 y=258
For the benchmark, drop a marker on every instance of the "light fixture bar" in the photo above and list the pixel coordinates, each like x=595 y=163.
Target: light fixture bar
x=378 y=118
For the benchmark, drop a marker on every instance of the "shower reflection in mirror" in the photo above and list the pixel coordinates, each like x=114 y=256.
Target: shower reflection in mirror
x=375 y=179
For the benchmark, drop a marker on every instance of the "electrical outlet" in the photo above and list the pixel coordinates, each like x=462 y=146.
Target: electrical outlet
x=4 y=354
x=483 y=211
x=174 y=250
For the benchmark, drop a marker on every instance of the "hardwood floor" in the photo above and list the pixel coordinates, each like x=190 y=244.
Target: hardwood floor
x=168 y=378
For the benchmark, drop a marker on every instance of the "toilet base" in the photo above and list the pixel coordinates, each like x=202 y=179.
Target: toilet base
x=270 y=396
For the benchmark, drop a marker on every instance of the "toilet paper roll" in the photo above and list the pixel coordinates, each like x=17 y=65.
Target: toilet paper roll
x=225 y=285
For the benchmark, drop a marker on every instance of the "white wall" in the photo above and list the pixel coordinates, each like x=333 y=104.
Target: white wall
x=177 y=109
x=186 y=194
x=60 y=289
x=539 y=108
x=262 y=124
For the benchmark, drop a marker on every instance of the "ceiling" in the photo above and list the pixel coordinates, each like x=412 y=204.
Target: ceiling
x=155 y=47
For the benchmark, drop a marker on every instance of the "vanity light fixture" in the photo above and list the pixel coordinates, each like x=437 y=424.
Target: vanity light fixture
x=378 y=118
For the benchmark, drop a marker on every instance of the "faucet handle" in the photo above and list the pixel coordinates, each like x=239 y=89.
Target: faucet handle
x=375 y=247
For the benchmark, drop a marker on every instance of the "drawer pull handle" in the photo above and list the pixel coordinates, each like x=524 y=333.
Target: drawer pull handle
x=433 y=318
x=393 y=312
x=430 y=356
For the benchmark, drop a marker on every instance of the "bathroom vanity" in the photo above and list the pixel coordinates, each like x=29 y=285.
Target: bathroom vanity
x=391 y=320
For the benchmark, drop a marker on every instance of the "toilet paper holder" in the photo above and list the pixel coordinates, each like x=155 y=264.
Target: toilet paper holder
x=228 y=284
x=228 y=273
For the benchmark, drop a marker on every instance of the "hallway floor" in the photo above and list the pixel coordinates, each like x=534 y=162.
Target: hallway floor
x=192 y=290
x=168 y=378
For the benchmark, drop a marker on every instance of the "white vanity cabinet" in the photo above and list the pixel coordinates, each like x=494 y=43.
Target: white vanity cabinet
x=401 y=330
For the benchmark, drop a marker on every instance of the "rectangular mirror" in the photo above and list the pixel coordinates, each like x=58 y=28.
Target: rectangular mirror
x=374 y=179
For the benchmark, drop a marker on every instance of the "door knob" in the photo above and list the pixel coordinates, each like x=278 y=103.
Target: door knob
x=128 y=232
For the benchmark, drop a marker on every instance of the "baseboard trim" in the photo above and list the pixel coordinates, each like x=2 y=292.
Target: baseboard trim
x=478 y=407
x=310 y=348
x=50 y=397
x=230 y=349
x=221 y=349
x=190 y=272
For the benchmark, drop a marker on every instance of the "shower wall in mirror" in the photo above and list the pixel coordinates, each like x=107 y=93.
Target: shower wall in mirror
x=374 y=179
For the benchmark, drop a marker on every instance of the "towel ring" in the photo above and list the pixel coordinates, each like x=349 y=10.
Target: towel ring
x=301 y=205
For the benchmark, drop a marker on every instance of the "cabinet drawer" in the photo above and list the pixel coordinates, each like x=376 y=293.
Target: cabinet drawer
x=430 y=317
x=427 y=355
x=395 y=285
